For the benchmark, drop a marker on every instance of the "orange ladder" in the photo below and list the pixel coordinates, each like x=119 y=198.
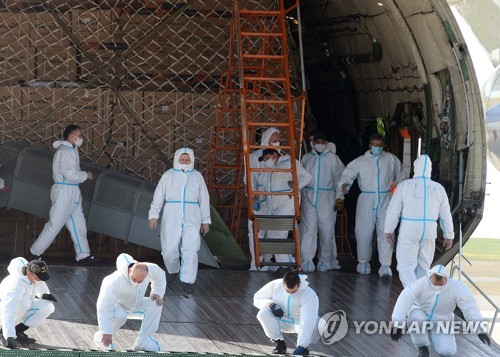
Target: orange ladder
x=225 y=161
x=266 y=101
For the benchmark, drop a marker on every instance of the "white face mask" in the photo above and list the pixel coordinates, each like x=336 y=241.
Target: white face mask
x=277 y=143
x=320 y=147
x=78 y=142
x=269 y=163
x=184 y=167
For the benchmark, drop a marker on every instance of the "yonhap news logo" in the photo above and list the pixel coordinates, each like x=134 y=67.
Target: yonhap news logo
x=336 y=327
x=333 y=327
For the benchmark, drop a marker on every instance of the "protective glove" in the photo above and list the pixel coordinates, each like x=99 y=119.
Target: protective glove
x=301 y=351
x=339 y=205
x=49 y=297
x=484 y=338
x=256 y=205
x=10 y=343
x=396 y=334
x=277 y=311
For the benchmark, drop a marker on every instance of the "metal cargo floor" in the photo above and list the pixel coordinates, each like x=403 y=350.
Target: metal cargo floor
x=220 y=317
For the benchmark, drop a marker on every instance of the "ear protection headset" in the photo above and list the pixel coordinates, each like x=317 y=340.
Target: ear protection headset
x=36 y=267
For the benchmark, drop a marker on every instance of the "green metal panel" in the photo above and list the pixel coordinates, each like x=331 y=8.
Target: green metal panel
x=222 y=244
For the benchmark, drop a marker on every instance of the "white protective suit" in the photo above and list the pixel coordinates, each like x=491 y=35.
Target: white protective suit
x=419 y=203
x=2 y=183
x=375 y=175
x=300 y=312
x=422 y=301
x=317 y=210
x=186 y=206
x=66 y=201
x=258 y=181
x=283 y=205
x=121 y=299
x=20 y=300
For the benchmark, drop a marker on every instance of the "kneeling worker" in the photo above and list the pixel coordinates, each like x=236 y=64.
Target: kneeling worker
x=289 y=305
x=25 y=300
x=122 y=297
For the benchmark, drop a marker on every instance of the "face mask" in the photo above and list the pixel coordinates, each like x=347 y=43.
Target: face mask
x=78 y=142
x=269 y=163
x=277 y=143
x=320 y=147
x=184 y=167
x=37 y=282
x=376 y=150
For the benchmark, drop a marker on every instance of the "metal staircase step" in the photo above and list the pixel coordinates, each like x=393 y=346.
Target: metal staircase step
x=275 y=223
x=276 y=246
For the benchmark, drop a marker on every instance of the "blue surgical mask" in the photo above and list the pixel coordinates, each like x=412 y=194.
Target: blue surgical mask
x=377 y=150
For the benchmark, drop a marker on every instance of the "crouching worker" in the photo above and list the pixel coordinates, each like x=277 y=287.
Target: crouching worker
x=122 y=297
x=25 y=300
x=432 y=300
x=289 y=305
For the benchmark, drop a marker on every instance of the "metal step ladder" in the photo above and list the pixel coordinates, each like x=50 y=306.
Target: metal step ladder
x=267 y=101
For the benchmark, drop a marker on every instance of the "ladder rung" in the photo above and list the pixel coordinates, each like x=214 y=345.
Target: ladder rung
x=269 y=79
x=224 y=187
x=221 y=148
x=276 y=264
x=269 y=124
x=275 y=223
x=264 y=101
x=227 y=128
x=259 y=12
x=276 y=246
x=227 y=167
x=264 y=56
x=262 y=34
x=269 y=147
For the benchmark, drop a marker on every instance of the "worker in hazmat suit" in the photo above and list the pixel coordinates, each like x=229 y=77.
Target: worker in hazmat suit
x=289 y=305
x=329 y=145
x=317 y=208
x=270 y=137
x=122 y=297
x=418 y=203
x=66 y=199
x=376 y=170
x=281 y=205
x=428 y=305
x=25 y=300
x=183 y=196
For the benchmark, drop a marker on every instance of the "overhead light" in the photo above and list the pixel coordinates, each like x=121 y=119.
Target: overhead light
x=380 y=4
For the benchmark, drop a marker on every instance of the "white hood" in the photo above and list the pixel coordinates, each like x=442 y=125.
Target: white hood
x=422 y=166
x=58 y=143
x=16 y=265
x=178 y=153
x=267 y=135
x=122 y=263
x=438 y=269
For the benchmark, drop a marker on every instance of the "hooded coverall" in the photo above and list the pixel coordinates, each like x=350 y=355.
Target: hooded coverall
x=20 y=300
x=419 y=203
x=317 y=210
x=375 y=174
x=421 y=302
x=183 y=195
x=66 y=201
x=283 y=205
x=300 y=312
x=258 y=180
x=121 y=299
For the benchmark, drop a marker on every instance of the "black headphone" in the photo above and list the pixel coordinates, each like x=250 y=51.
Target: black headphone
x=36 y=267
